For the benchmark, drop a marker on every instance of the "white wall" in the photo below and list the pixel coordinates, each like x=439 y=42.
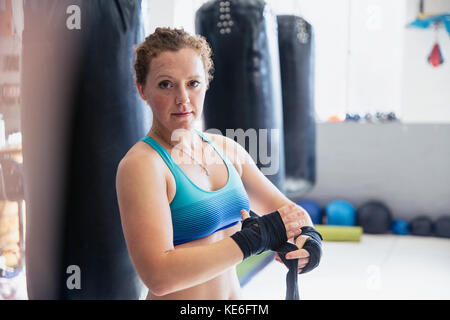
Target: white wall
x=366 y=59
x=375 y=55
x=403 y=165
x=425 y=90
x=329 y=19
x=158 y=13
x=170 y=13
x=358 y=53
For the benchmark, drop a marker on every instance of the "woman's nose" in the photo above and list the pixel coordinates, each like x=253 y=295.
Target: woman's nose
x=182 y=97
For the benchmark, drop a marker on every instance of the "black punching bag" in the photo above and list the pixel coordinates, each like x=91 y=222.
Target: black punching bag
x=245 y=93
x=296 y=43
x=80 y=114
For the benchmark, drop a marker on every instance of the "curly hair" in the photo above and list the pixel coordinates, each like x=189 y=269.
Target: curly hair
x=167 y=39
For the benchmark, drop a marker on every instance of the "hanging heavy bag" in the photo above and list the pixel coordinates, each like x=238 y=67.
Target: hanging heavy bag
x=80 y=115
x=245 y=93
x=296 y=44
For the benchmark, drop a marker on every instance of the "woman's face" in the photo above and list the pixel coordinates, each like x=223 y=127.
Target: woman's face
x=175 y=88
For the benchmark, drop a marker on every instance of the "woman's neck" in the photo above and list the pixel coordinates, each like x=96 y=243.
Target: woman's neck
x=184 y=138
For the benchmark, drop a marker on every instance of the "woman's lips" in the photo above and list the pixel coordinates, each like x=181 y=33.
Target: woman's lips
x=182 y=114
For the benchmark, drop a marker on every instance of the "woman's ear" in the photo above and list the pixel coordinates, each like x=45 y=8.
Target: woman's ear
x=141 y=91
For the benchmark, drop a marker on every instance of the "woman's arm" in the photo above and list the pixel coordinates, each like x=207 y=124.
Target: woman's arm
x=147 y=225
x=263 y=195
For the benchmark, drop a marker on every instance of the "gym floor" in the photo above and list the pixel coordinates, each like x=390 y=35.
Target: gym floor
x=379 y=267
x=388 y=267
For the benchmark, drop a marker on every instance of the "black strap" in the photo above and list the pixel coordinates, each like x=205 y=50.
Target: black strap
x=292 y=276
x=312 y=245
x=292 y=264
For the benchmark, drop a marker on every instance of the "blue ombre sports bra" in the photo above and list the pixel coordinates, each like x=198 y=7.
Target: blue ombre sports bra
x=197 y=213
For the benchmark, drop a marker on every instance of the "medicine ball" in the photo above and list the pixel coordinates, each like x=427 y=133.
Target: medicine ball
x=422 y=226
x=374 y=217
x=340 y=213
x=442 y=227
x=400 y=226
x=314 y=210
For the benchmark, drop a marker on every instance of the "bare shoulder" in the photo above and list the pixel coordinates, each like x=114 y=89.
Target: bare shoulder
x=140 y=157
x=141 y=166
x=141 y=188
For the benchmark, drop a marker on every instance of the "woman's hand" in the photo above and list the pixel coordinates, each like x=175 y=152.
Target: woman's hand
x=301 y=254
x=293 y=216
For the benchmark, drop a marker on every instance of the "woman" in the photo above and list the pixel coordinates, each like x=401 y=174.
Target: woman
x=179 y=216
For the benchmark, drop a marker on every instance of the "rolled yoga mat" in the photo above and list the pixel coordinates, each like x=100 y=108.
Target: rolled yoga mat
x=248 y=268
x=296 y=46
x=80 y=115
x=339 y=233
x=245 y=93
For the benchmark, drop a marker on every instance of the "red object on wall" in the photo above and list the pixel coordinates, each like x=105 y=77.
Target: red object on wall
x=435 y=58
x=6 y=28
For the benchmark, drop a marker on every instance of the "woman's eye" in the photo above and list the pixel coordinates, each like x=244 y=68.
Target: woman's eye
x=164 y=84
x=194 y=83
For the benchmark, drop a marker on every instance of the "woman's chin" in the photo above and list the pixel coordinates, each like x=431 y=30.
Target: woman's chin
x=185 y=123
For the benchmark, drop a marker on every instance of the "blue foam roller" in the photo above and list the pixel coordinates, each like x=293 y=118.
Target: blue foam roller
x=314 y=210
x=400 y=226
x=340 y=213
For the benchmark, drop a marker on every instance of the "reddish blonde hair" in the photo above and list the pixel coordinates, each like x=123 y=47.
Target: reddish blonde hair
x=167 y=39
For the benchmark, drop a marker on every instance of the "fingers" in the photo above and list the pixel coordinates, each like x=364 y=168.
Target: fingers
x=302 y=262
x=294 y=217
x=244 y=214
x=298 y=254
x=292 y=229
x=287 y=209
x=300 y=242
x=277 y=258
x=291 y=209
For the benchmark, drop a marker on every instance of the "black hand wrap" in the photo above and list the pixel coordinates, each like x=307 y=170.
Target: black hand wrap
x=313 y=245
x=259 y=234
